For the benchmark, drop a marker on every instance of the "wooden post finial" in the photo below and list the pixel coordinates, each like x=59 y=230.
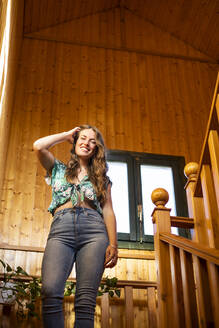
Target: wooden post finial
x=159 y=197
x=191 y=170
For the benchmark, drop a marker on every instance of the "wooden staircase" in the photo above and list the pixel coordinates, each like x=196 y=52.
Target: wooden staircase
x=188 y=270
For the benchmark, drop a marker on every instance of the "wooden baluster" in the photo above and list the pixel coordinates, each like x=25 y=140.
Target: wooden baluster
x=217 y=106
x=188 y=283
x=195 y=205
x=203 y=293
x=161 y=220
x=105 y=311
x=213 y=144
x=210 y=206
x=129 y=307
x=213 y=272
x=152 y=309
x=178 y=310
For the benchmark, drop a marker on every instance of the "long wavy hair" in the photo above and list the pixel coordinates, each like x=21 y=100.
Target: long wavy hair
x=97 y=166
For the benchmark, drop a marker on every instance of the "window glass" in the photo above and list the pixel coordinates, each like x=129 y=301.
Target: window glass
x=153 y=177
x=119 y=176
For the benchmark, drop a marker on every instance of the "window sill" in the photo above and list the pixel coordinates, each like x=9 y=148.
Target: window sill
x=136 y=245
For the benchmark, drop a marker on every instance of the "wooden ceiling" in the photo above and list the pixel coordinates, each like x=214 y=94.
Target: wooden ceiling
x=196 y=22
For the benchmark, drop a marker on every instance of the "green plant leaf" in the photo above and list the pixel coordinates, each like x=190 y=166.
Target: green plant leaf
x=99 y=293
x=111 y=293
x=118 y=292
x=19 y=270
x=8 y=268
x=3 y=264
x=30 y=306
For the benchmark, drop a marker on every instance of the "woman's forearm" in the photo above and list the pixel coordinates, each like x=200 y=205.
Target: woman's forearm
x=110 y=223
x=49 y=141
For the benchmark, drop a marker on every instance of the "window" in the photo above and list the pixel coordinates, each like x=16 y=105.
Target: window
x=134 y=177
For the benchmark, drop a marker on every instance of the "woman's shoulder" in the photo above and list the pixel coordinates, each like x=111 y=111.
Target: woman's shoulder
x=59 y=168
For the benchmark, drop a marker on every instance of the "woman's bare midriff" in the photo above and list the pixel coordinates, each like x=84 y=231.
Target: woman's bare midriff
x=69 y=205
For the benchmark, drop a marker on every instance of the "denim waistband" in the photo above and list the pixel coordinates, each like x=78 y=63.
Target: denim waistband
x=76 y=209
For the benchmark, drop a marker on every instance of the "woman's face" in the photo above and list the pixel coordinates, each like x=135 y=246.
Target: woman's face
x=86 y=144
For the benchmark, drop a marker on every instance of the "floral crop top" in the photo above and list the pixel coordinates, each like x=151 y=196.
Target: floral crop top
x=62 y=190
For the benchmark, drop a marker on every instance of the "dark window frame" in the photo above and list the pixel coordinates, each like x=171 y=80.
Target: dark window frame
x=134 y=160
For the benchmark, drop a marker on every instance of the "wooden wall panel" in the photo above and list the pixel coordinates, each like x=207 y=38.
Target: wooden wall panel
x=140 y=103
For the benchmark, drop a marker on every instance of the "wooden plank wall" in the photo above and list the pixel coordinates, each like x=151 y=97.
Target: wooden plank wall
x=141 y=101
x=8 y=71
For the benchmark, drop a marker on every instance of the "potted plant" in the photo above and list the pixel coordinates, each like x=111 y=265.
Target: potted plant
x=109 y=285
x=17 y=287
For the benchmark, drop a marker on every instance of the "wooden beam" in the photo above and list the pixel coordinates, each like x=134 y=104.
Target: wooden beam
x=126 y=49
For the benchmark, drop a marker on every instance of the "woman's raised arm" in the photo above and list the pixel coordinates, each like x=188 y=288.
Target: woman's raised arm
x=42 y=145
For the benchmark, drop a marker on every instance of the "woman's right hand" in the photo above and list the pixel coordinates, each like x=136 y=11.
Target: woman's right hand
x=70 y=134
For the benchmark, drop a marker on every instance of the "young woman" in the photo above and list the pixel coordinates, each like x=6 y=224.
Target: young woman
x=83 y=230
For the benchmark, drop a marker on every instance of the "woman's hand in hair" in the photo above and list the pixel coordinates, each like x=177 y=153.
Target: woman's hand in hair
x=70 y=134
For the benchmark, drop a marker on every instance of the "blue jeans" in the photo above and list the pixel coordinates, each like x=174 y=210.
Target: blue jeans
x=77 y=235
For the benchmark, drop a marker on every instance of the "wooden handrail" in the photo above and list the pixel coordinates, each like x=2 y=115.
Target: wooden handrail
x=182 y=222
x=206 y=253
x=212 y=125
x=136 y=284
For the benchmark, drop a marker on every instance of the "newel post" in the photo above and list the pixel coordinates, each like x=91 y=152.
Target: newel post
x=161 y=221
x=195 y=204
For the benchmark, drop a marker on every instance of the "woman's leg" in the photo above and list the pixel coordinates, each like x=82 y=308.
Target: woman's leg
x=57 y=264
x=89 y=269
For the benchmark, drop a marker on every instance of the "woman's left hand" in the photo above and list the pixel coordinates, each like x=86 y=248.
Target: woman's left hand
x=111 y=257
